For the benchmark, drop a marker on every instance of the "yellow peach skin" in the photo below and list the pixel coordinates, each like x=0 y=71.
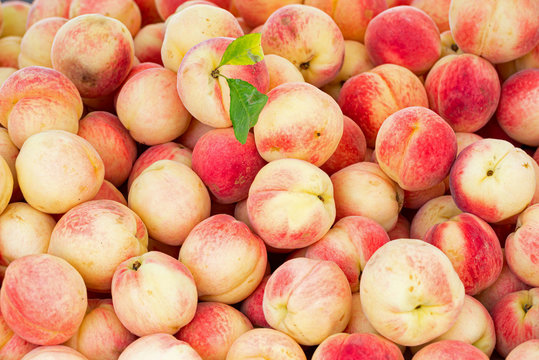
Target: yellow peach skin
x=15 y=15
x=36 y=44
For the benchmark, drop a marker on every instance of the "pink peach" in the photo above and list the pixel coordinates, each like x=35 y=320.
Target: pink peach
x=252 y=305
x=148 y=43
x=433 y=212
x=42 y=9
x=36 y=44
x=357 y=346
x=108 y=191
x=265 y=344
x=12 y=347
x=446 y=350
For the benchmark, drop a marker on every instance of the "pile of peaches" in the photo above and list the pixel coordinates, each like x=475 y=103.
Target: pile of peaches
x=385 y=204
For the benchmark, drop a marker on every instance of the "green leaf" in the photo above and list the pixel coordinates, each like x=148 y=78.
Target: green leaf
x=245 y=50
x=246 y=103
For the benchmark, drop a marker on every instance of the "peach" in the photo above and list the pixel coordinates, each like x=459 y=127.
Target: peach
x=153 y=293
x=43 y=299
x=357 y=346
x=433 y=212
x=422 y=140
x=42 y=9
x=401 y=230
x=108 y=191
x=256 y=12
x=308 y=300
x=518 y=109
x=168 y=7
x=363 y=189
x=160 y=346
x=464 y=90
x=437 y=10
x=213 y=330
x=167 y=151
x=125 y=11
x=406 y=36
x=66 y=166
x=23 y=231
x=528 y=350
x=492 y=179
x=493 y=130
x=515 y=34
x=522 y=247
x=392 y=3
x=193 y=25
x=226 y=259
x=515 y=318
x=10 y=48
x=528 y=61
x=370 y=97
x=290 y=204
x=226 y=166
x=148 y=43
x=58 y=352
x=148 y=12
x=299 y=121
x=6 y=184
x=95 y=237
x=89 y=67
x=265 y=344
x=195 y=130
x=171 y=199
x=447 y=350
x=9 y=152
x=15 y=14
x=252 y=305
x=36 y=44
x=308 y=38
x=352 y=17
x=281 y=71
x=188 y=3
x=101 y=336
x=241 y=214
x=350 y=243
x=6 y=72
x=449 y=46
x=416 y=199
x=410 y=292
x=12 y=346
x=356 y=61
x=203 y=91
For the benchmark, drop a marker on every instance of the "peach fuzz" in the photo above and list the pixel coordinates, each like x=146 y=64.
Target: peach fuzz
x=6 y=184
x=401 y=230
x=36 y=44
x=437 y=10
x=58 y=352
x=171 y=199
x=266 y=344
x=406 y=36
x=464 y=90
x=515 y=319
x=446 y=350
x=95 y=237
x=308 y=300
x=213 y=329
x=153 y=293
x=370 y=97
x=350 y=243
x=357 y=346
x=101 y=336
x=290 y=204
x=299 y=121
x=125 y=11
x=43 y=299
x=167 y=151
x=108 y=191
x=416 y=199
x=410 y=293
x=66 y=166
x=528 y=61
x=308 y=38
x=355 y=196
x=518 y=109
x=433 y=212
x=161 y=346
x=356 y=61
x=42 y=9
x=193 y=25
x=12 y=346
x=252 y=305
x=194 y=132
x=281 y=71
x=528 y=350
x=84 y=48
x=226 y=166
x=493 y=180
x=148 y=43
x=198 y=74
x=168 y=7
x=226 y=259
x=23 y=231
x=15 y=14
x=10 y=48
x=516 y=32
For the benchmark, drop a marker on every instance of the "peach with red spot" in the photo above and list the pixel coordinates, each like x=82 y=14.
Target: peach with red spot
x=252 y=305
x=357 y=346
x=433 y=212
x=265 y=344
x=42 y=9
x=148 y=43
x=36 y=44
x=446 y=350
x=162 y=346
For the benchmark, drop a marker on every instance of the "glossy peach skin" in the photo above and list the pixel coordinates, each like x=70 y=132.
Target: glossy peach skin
x=146 y=305
x=515 y=34
x=265 y=344
x=290 y=204
x=370 y=97
x=423 y=140
x=95 y=237
x=13 y=347
x=43 y=299
x=126 y=11
x=307 y=37
x=213 y=329
x=80 y=53
x=148 y=43
x=42 y=9
x=515 y=319
x=281 y=71
x=299 y=121
x=252 y=305
x=101 y=335
x=166 y=8
x=36 y=44
x=10 y=47
x=226 y=259
x=433 y=212
x=162 y=346
x=528 y=350
x=15 y=14
x=464 y=90
x=357 y=346
x=405 y=36
x=446 y=350
x=519 y=107
x=57 y=352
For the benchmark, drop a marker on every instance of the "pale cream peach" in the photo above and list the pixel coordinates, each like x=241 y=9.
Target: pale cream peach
x=528 y=350
x=42 y=9
x=167 y=7
x=6 y=72
x=36 y=44
x=148 y=43
x=281 y=71
x=161 y=346
x=10 y=48
x=433 y=212
x=265 y=344
x=15 y=14
x=6 y=184
x=9 y=152
x=449 y=46
x=57 y=352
